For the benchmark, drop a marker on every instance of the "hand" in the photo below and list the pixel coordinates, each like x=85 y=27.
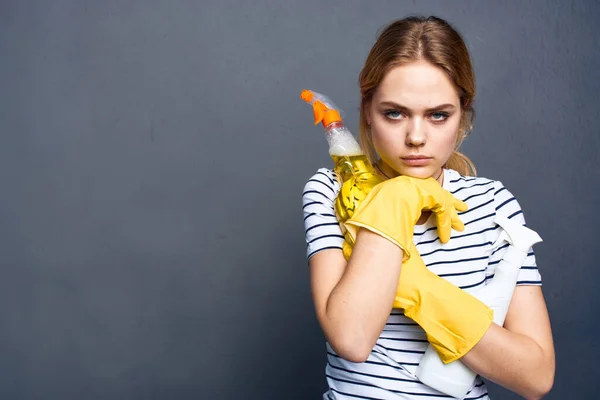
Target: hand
x=442 y=203
x=393 y=207
x=351 y=194
x=453 y=319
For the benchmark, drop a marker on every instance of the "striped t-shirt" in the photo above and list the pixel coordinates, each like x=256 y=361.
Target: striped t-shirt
x=467 y=260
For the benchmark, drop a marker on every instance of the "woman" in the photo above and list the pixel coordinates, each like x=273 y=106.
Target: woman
x=418 y=89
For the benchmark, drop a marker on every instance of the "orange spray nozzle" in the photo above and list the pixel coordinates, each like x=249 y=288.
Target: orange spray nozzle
x=307 y=96
x=323 y=109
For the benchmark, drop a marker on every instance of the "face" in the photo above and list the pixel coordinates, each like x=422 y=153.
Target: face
x=415 y=116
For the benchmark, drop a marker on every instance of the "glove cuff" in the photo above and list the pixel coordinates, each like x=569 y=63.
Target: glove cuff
x=353 y=227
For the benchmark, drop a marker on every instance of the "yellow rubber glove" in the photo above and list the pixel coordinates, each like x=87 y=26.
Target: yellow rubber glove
x=393 y=207
x=453 y=320
x=352 y=192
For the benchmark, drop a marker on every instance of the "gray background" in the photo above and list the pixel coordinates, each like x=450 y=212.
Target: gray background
x=152 y=161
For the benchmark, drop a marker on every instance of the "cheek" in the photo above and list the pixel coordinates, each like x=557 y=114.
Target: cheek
x=450 y=139
x=447 y=141
x=385 y=140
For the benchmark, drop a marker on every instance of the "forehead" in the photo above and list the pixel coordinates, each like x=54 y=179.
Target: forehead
x=415 y=85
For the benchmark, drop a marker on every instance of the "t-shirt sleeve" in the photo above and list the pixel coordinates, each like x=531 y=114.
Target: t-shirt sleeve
x=321 y=226
x=508 y=206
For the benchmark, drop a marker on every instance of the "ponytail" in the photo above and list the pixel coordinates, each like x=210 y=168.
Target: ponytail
x=461 y=164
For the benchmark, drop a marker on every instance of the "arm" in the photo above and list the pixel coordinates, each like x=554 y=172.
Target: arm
x=353 y=300
x=520 y=355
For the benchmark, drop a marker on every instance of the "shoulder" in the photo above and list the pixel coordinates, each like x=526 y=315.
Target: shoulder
x=482 y=190
x=323 y=183
x=321 y=226
x=457 y=183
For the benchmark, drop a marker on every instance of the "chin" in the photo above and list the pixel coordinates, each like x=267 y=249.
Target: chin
x=422 y=173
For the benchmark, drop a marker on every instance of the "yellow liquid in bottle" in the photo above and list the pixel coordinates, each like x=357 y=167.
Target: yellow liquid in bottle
x=357 y=177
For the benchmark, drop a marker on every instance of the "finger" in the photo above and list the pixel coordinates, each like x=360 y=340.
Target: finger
x=460 y=205
x=444 y=224
x=457 y=224
x=448 y=219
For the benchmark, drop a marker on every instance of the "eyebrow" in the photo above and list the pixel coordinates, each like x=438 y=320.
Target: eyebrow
x=403 y=108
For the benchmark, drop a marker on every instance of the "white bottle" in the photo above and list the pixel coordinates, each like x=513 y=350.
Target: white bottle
x=455 y=379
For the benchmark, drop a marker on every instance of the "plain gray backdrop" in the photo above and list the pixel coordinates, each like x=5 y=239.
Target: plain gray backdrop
x=152 y=161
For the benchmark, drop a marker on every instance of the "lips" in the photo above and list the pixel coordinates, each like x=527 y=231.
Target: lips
x=416 y=160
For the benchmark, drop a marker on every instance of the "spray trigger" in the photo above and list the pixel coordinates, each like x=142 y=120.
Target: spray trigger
x=515 y=234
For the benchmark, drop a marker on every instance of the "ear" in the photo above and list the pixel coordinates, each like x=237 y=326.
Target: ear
x=466 y=122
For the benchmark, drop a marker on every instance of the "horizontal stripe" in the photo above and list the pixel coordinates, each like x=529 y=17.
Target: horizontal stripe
x=400 y=362
x=530 y=254
x=462 y=178
x=457 y=261
x=320 y=215
x=424 y=232
x=312 y=203
x=391 y=378
x=329 y=177
x=321 y=225
x=462 y=273
x=515 y=214
x=354 y=395
x=325 y=237
x=324 y=248
x=479 y=219
x=472 y=186
x=504 y=246
x=477 y=194
x=389 y=390
x=460 y=236
x=323 y=184
x=478 y=397
x=475 y=208
x=473 y=285
x=402 y=350
x=404 y=339
x=371 y=362
x=505 y=203
x=472 y=246
x=316 y=192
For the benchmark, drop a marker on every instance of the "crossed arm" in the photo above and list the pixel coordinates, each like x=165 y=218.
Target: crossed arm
x=520 y=355
x=353 y=301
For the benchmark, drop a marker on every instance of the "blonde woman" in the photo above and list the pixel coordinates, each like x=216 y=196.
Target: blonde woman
x=418 y=89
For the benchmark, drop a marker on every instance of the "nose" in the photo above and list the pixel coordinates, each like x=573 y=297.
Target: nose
x=416 y=135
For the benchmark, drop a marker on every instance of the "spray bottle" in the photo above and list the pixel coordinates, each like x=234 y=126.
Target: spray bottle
x=455 y=379
x=355 y=173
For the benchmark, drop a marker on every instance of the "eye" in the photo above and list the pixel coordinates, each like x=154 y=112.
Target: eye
x=439 y=116
x=392 y=114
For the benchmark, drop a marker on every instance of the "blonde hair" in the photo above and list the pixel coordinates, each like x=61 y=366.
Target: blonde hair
x=421 y=38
